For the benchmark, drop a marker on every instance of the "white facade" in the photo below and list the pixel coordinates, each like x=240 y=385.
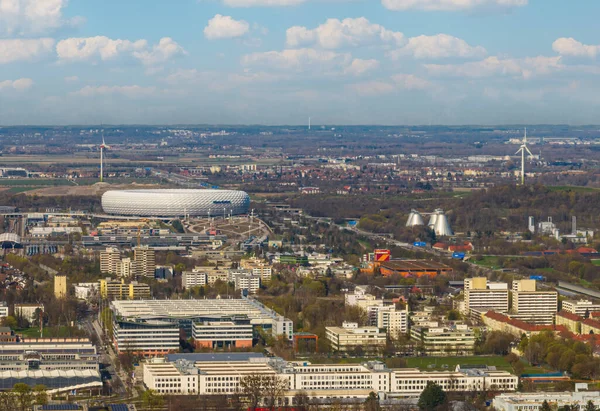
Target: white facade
x=27 y=311
x=393 y=320
x=496 y=300
x=146 y=338
x=458 y=340
x=350 y=335
x=175 y=202
x=247 y=282
x=84 y=290
x=109 y=258
x=538 y=307
x=3 y=309
x=580 y=307
x=222 y=376
x=194 y=278
x=534 y=400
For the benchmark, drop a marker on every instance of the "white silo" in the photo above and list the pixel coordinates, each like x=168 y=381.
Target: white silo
x=415 y=218
x=441 y=226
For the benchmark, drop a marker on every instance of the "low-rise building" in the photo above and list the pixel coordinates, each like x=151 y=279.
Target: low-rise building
x=249 y=283
x=454 y=340
x=28 y=311
x=581 y=308
x=534 y=400
x=194 y=278
x=350 y=335
x=120 y=290
x=223 y=334
x=571 y=321
x=500 y=322
x=590 y=326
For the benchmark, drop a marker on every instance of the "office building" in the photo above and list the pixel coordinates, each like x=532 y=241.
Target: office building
x=581 y=308
x=455 y=340
x=168 y=317
x=60 y=286
x=220 y=374
x=57 y=363
x=350 y=336
x=534 y=400
x=222 y=334
x=120 y=290
x=109 y=259
x=482 y=295
x=28 y=311
x=144 y=261
x=536 y=307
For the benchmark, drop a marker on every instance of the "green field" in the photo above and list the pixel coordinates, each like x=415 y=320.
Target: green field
x=575 y=189
x=35 y=182
x=488 y=261
x=34 y=332
x=596 y=262
x=439 y=363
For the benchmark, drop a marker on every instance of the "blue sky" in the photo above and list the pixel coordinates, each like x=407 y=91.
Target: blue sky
x=281 y=61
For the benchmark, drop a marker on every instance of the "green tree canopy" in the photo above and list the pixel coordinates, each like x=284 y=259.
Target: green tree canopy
x=431 y=397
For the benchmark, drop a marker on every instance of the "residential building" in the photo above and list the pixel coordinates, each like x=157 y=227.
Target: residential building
x=83 y=291
x=394 y=321
x=569 y=320
x=60 y=286
x=500 y=322
x=259 y=267
x=479 y=295
x=28 y=311
x=3 y=309
x=250 y=283
x=109 y=258
x=350 y=335
x=581 y=308
x=144 y=261
x=194 y=278
x=124 y=268
x=590 y=326
x=534 y=400
x=455 y=340
x=222 y=334
x=537 y=307
x=119 y=290
x=220 y=374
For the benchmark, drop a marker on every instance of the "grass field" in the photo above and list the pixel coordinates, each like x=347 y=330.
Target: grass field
x=596 y=262
x=34 y=332
x=35 y=182
x=488 y=261
x=575 y=189
x=440 y=363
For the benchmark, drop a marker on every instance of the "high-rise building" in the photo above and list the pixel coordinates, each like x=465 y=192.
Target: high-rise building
x=60 y=286
x=482 y=295
x=109 y=258
x=124 y=268
x=144 y=261
x=119 y=290
x=393 y=320
x=538 y=307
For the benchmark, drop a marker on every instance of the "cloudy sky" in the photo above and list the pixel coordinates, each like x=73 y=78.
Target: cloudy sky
x=281 y=61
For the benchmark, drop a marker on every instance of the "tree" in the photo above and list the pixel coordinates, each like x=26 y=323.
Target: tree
x=590 y=406
x=251 y=386
x=431 y=397
x=152 y=400
x=546 y=406
x=372 y=402
x=40 y=394
x=274 y=388
x=24 y=396
x=9 y=321
x=301 y=401
x=256 y=387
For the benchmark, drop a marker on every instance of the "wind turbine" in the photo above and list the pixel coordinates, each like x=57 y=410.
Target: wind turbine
x=103 y=147
x=522 y=150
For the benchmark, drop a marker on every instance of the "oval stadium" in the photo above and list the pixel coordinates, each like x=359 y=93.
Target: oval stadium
x=175 y=202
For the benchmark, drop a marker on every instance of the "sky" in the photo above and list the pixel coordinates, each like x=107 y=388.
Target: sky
x=272 y=62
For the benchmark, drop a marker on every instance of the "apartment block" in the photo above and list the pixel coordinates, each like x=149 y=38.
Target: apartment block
x=109 y=259
x=250 y=283
x=60 y=286
x=481 y=295
x=144 y=259
x=195 y=278
x=536 y=307
x=456 y=340
x=394 y=321
x=120 y=290
x=259 y=267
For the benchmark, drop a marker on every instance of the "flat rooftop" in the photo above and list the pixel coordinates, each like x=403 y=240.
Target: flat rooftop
x=415 y=265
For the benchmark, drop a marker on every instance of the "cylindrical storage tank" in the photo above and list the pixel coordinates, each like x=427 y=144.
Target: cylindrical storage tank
x=442 y=227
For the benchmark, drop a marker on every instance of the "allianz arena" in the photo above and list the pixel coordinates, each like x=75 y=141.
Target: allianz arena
x=175 y=202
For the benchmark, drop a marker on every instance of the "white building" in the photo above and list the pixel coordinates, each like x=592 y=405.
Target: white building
x=109 y=259
x=195 y=278
x=455 y=340
x=350 y=335
x=83 y=291
x=250 y=283
x=145 y=338
x=534 y=400
x=27 y=311
x=580 y=307
x=3 y=309
x=393 y=320
x=538 y=307
x=220 y=374
x=479 y=295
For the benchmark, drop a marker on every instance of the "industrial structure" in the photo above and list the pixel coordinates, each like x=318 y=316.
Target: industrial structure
x=175 y=203
x=438 y=222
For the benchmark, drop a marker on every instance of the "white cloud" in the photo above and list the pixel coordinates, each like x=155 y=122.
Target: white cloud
x=299 y=59
x=359 y=67
x=267 y=3
x=19 y=84
x=72 y=79
x=225 y=27
x=12 y=50
x=449 y=5
x=495 y=66
x=438 y=46
x=134 y=91
x=162 y=52
x=372 y=88
x=32 y=17
x=94 y=48
x=336 y=33
x=571 y=47
x=411 y=82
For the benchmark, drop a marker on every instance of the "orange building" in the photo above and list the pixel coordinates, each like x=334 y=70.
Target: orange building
x=414 y=268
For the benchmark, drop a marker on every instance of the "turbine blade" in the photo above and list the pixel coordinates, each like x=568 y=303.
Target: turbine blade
x=518 y=151
x=527 y=148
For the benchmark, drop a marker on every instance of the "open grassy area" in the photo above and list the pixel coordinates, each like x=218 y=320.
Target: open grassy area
x=488 y=261
x=22 y=182
x=34 y=332
x=596 y=262
x=439 y=363
x=575 y=189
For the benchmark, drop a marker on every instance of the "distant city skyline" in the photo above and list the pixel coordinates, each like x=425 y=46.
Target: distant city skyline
x=274 y=62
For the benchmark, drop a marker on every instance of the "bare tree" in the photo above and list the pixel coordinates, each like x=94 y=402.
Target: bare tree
x=256 y=387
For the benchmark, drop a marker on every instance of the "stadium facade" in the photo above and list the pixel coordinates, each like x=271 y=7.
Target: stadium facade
x=175 y=202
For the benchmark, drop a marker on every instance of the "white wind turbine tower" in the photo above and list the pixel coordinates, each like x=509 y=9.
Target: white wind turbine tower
x=522 y=150
x=103 y=147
